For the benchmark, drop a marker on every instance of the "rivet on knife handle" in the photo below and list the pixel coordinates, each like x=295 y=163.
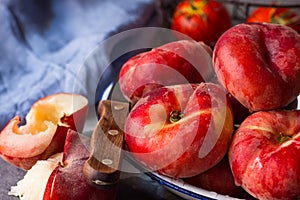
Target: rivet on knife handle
x=103 y=166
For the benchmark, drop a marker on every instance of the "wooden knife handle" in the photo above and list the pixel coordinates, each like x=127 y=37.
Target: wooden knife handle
x=103 y=166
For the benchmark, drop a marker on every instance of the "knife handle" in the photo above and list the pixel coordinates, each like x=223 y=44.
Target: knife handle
x=102 y=169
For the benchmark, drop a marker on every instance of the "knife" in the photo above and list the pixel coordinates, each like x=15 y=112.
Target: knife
x=102 y=169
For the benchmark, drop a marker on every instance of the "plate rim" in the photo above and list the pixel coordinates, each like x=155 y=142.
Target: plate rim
x=186 y=189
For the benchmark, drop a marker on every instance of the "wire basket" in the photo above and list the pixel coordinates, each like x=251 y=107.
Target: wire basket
x=239 y=9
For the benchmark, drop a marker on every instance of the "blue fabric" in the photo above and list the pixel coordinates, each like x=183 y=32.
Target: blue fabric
x=43 y=44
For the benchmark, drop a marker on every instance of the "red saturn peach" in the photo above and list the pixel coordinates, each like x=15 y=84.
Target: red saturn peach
x=264 y=154
x=45 y=130
x=259 y=64
x=180 y=130
x=179 y=62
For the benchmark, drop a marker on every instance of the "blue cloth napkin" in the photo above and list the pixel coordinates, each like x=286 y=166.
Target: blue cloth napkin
x=43 y=45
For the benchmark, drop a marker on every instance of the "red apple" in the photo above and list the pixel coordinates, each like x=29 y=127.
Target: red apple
x=45 y=130
x=218 y=179
x=264 y=154
x=258 y=64
x=180 y=130
x=179 y=62
x=61 y=176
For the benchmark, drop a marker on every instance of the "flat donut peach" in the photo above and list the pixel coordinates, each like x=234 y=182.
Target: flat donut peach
x=259 y=64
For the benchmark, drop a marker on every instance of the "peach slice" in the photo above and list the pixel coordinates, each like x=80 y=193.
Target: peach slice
x=45 y=130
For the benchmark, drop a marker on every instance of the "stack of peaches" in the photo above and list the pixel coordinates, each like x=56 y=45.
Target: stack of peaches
x=222 y=118
x=199 y=111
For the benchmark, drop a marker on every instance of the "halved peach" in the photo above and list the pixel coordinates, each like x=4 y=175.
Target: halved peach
x=45 y=130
